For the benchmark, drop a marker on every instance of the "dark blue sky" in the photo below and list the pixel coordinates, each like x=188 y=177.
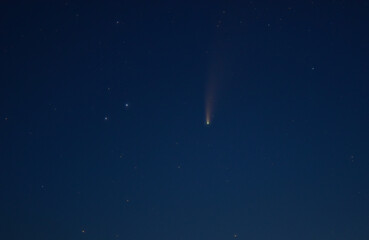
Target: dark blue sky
x=102 y=120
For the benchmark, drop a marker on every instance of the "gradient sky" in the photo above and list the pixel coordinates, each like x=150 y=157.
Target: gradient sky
x=103 y=132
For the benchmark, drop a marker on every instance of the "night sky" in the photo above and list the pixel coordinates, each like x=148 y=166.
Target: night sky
x=181 y=120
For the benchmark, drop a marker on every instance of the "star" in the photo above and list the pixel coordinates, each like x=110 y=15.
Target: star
x=106 y=118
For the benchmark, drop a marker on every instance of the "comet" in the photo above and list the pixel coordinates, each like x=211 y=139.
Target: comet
x=216 y=74
x=211 y=90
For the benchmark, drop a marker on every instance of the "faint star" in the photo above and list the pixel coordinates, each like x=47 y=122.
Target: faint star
x=83 y=231
x=126 y=105
x=106 y=118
